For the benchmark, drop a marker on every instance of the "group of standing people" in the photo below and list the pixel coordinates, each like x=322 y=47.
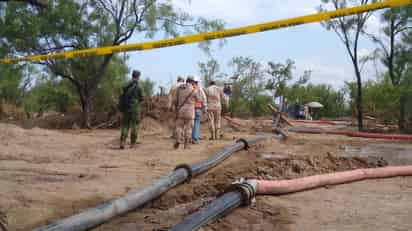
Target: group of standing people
x=187 y=99
x=190 y=101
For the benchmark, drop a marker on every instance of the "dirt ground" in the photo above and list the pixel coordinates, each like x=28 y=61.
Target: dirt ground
x=49 y=174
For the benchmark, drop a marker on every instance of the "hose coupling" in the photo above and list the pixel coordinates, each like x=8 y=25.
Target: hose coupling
x=247 y=188
x=245 y=143
x=188 y=169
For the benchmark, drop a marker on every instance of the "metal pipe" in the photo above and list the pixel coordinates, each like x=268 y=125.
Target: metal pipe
x=104 y=212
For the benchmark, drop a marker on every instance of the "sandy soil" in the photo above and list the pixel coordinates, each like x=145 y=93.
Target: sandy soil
x=46 y=175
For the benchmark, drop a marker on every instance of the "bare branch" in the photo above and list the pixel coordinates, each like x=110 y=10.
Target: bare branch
x=138 y=20
x=379 y=42
x=177 y=23
x=403 y=29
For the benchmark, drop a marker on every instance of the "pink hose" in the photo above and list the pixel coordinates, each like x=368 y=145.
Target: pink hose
x=296 y=185
x=381 y=136
x=357 y=134
x=232 y=120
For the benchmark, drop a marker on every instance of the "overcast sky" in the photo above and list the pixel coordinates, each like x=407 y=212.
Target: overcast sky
x=311 y=46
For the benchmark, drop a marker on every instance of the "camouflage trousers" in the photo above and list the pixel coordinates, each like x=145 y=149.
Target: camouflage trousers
x=214 y=117
x=129 y=122
x=183 y=130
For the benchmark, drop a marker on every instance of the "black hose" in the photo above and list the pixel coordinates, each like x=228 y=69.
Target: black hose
x=104 y=212
x=214 y=160
x=241 y=193
x=224 y=154
x=216 y=209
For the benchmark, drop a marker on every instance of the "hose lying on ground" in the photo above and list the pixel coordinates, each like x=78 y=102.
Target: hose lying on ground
x=265 y=187
x=355 y=134
x=326 y=122
x=104 y=212
x=242 y=193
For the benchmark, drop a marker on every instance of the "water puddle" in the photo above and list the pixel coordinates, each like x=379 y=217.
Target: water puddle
x=394 y=154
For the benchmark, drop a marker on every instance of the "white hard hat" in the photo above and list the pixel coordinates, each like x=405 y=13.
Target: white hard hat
x=196 y=78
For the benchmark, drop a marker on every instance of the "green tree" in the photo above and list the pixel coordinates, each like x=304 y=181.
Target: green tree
x=38 y=3
x=11 y=90
x=279 y=75
x=69 y=24
x=332 y=100
x=210 y=70
x=381 y=98
x=247 y=87
x=394 y=52
x=48 y=94
x=147 y=86
x=407 y=93
x=110 y=87
x=349 y=30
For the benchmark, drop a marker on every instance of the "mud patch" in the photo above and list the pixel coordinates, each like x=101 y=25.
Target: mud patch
x=36 y=176
x=67 y=208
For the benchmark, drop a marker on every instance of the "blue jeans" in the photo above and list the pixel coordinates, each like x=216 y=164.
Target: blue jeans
x=196 y=126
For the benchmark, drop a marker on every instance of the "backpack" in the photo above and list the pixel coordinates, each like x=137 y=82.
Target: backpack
x=125 y=99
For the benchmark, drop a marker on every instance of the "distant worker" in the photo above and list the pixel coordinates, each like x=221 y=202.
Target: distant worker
x=307 y=113
x=129 y=105
x=227 y=90
x=200 y=106
x=215 y=98
x=184 y=104
x=162 y=91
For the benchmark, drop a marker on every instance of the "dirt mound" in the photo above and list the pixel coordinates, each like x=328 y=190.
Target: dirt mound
x=150 y=126
x=10 y=112
x=14 y=132
x=155 y=108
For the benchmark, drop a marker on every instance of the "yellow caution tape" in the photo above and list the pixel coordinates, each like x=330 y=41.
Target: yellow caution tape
x=215 y=34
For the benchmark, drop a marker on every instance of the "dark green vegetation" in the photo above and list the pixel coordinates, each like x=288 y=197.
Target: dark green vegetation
x=92 y=84
x=69 y=24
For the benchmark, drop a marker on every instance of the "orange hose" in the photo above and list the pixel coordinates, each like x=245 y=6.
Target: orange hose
x=328 y=122
x=296 y=185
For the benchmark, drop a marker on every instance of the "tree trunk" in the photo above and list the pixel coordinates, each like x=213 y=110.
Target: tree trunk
x=86 y=109
x=86 y=103
x=89 y=89
x=359 y=104
x=402 y=105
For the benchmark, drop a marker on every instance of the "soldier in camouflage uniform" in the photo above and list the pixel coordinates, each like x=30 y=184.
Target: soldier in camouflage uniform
x=184 y=103
x=130 y=117
x=214 y=96
x=172 y=92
